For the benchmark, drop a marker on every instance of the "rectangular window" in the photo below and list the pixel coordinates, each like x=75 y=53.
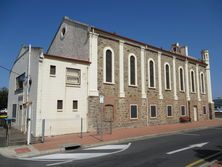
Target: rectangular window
x=133 y=111
x=169 y=111
x=153 y=112
x=14 y=106
x=19 y=81
x=73 y=76
x=59 y=105
x=204 y=110
x=52 y=70
x=20 y=107
x=74 y=105
x=183 y=110
x=108 y=66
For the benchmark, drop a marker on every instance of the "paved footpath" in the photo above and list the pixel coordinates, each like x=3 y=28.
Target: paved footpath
x=56 y=143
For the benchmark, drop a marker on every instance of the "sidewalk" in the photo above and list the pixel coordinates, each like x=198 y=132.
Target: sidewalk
x=56 y=143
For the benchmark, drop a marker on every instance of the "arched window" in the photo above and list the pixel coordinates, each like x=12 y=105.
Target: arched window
x=108 y=65
x=181 y=79
x=167 y=76
x=151 y=73
x=192 y=80
x=132 y=70
x=202 y=83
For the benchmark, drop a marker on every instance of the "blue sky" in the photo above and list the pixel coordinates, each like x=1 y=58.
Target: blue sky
x=196 y=23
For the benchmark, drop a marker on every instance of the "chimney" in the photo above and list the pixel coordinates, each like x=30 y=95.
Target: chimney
x=184 y=50
x=176 y=48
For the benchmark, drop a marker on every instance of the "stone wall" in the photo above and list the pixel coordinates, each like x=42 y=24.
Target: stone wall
x=133 y=94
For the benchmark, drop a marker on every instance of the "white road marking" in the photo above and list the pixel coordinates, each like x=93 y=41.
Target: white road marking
x=187 y=148
x=189 y=134
x=107 y=147
x=62 y=158
x=59 y=163
x=69 y=156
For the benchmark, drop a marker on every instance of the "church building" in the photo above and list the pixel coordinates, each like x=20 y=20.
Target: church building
x=90 y=76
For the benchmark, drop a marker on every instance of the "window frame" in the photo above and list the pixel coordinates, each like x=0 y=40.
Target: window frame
x=136 y=111
x=154 y=74
x=165 y=76
x=75 y=109
x=129 y=69
x=14 y=112
x=52 y=75
x=192 y=82
x=59 y=109
x=181 y=90
x=16 y=82
x=204 y=112
x=185 y=111
x=68 y=84
x=104 y=65
x=202 y=83
x=155 y=110
x=171 y=110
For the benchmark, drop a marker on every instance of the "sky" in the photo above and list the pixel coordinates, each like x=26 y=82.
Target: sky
x=195 y=23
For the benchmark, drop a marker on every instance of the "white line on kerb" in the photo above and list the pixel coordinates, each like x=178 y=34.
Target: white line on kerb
x=63 y=158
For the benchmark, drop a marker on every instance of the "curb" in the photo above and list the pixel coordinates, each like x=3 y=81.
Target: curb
x=9 y=152
x=130 y=139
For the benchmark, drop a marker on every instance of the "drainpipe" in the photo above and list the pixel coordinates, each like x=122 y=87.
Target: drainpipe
x=27 y=100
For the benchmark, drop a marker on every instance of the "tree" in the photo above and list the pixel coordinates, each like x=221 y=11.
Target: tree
x=3 y=98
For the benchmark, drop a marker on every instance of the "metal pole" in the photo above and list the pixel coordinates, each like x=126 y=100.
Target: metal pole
x=110 y=127
x=43 y=130
x=27 y=100
x=7 y=135
x=101 y=118
x=81 y=127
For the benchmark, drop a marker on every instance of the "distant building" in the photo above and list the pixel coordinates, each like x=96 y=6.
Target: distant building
x=142 y=84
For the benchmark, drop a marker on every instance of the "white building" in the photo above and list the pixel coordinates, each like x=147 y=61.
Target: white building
x=51 y=78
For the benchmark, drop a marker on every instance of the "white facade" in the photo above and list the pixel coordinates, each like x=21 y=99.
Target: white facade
x=44 y=92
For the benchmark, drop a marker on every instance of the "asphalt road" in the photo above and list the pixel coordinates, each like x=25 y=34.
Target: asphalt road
x=172 y=150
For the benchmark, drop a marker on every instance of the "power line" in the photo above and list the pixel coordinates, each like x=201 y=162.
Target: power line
x=9 y=70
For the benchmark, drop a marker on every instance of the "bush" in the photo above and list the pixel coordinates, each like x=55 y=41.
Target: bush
x=185 y=119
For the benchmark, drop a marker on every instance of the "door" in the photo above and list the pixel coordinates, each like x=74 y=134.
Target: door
x=195 y=114
x=108 y=113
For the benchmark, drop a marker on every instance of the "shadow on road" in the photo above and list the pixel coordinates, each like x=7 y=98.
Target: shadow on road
x=209 y=155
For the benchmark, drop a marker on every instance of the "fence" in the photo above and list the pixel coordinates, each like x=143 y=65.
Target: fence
x=51 y=127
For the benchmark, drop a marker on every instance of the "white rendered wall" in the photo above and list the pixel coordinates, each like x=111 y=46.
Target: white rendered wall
x=20 y=67
x=51 y=89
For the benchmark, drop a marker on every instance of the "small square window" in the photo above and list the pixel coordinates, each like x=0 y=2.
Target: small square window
x=73 y=77
x=169 y=111
x=204 y=110
x=183 y=110
x=153 y=112
x=59 y=105
x=74 y=105
x=19 y=81
x=52 y=70
x=133 y=112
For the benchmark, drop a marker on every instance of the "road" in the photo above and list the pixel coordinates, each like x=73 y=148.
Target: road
x=178 y=149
